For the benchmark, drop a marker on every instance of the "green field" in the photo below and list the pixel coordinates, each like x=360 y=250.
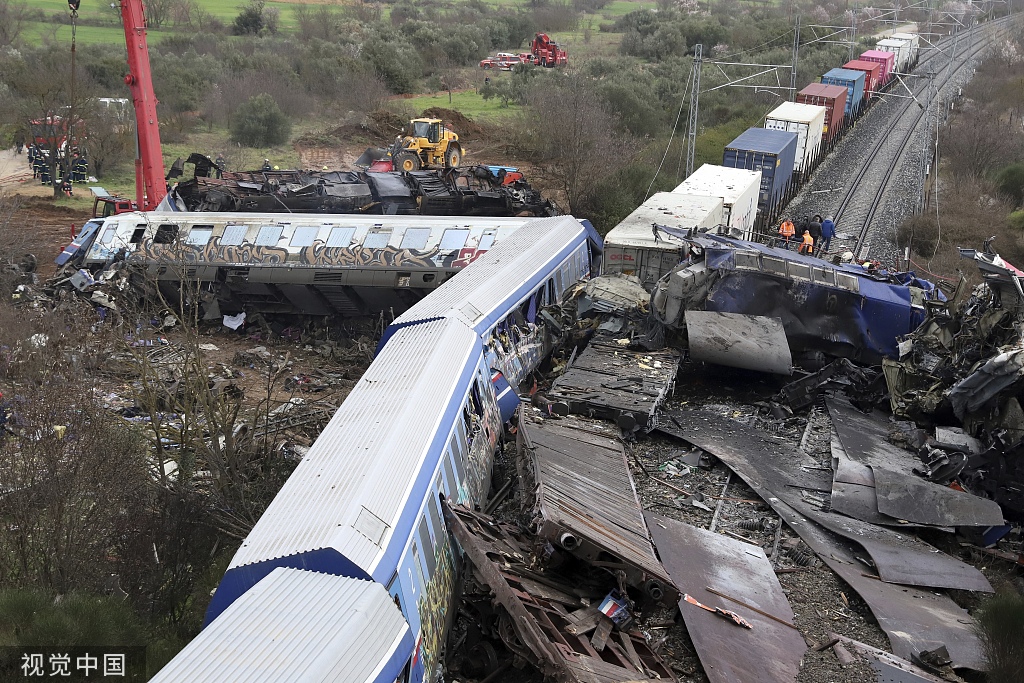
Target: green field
x=468 y=102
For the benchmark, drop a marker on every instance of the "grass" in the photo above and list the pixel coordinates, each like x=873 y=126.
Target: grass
x=468 y=102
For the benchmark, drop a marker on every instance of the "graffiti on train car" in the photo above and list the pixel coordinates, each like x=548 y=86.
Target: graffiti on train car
x=316 y=255
x=434 y=603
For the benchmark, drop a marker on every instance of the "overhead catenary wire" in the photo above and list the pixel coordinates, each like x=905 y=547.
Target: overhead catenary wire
x=679 y=113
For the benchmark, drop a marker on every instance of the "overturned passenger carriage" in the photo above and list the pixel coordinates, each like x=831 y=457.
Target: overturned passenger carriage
x=314 y=264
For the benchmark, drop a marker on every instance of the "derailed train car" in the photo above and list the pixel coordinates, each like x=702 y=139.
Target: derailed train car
x=315 y=264
x=350 y=573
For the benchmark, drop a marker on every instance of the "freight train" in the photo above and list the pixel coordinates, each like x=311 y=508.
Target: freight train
x=776 y=158
x=350 y=574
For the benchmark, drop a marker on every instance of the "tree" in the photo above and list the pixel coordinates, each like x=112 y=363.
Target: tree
x=254 y=18
x=110 y=140
x=158 y=12
x=258 y=122
x=13 y=15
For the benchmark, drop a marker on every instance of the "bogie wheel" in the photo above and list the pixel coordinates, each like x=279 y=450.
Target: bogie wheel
x=407 y=161
x=452 y=156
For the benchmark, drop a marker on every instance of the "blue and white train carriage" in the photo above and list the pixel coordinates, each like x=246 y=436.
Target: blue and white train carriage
x=361 y=516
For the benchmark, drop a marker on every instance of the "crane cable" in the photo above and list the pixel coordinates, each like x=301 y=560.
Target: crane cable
x=73 y=5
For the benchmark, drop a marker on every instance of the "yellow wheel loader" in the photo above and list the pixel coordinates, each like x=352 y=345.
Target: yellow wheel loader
x=427 y=143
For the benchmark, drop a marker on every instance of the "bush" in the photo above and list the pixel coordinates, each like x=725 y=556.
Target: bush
x=1000 y=624
x=259 y=123
x=1010 y=180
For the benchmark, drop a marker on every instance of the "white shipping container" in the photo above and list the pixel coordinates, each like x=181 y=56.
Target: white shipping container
x=632 y=247
x=738 y=189
x=807 y=121
x=915 y=43
x=900 y=48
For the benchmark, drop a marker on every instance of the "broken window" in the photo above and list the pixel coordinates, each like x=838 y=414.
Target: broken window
x=451 y=486
x=166 y=233
x=269 y=235
x=233 y=235
x=108 y=235
x=377 y=239
x=138 y=234
x=825 y=276
x=454 y=238
x=415 y=238
x=304 y=235
x=199 y=235
x=428 y=547
x=340 y=237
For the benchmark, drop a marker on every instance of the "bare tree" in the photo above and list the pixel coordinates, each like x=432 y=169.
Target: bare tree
x=158 y=12
x=13 y=15
x=110 y=140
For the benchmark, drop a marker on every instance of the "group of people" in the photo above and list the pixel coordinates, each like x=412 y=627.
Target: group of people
x=73 y=170
x=813 y=235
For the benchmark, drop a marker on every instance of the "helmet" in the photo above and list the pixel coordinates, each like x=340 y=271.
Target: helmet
x=325 y=168
x=277 y=168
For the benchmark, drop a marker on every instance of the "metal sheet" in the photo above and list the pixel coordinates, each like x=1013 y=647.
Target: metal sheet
x=865 y=439
x=610 y=381
x=890 y=668
x=586 y=500
x=751 y=342
x=756 y=457
x=914 y=620
x=697 y=559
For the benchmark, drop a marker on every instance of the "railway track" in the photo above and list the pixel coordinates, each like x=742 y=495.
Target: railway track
x=873 y=178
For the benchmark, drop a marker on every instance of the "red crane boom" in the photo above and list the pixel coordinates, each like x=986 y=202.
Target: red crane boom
x=150 y=186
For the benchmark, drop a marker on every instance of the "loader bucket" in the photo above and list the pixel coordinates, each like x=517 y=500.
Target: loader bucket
x=381 y=166
x=371 y=155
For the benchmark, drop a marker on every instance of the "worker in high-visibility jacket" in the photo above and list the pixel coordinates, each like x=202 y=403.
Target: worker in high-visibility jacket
x=786 y=232
x=807 y=246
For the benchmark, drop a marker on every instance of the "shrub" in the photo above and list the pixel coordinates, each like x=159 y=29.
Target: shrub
x=1010 y=180
x=259 y=123
x=1000 y=624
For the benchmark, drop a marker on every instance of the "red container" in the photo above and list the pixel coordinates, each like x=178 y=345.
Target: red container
x=833 y=98
x=886 y=59
x=873 y=80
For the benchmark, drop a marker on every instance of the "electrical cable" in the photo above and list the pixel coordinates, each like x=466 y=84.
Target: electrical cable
x=672 y=135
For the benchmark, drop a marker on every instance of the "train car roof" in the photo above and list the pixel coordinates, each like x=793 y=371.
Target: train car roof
x=341 y=508
x=298 y=625
x=156 y=217
x=483 y=292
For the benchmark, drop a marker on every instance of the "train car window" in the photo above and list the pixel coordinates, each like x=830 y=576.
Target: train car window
x=450 y=486
x=456 y=454
x=824 y=276
x=233 y=235
x=138 y=234
x=552 y=298
x=428 y=547
x=435 y=514
x=377 y=239
x=801 y=270
x=453 y=238
x=340 y=237
x=165 y=234
x=304 y=235
x=486 y=241
x=199 y=235
x=462 y=452
x=108 y=235
x=474 y=399
x=269 y=235
x=419 y=568
x=415 y=238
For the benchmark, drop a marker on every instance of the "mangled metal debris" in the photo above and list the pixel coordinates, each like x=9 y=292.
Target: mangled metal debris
x=610 y=381
x=890 y=669
x=752 y=342
x=466 y=191
x=581 y=498
x=738 y=577
x=571 y=628
x=841 y=310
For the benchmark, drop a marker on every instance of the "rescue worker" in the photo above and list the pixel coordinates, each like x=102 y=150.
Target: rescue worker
x=814 y=227
x=786 y=232
x=828 y=231
x=266 y=165
x=32 y=152
x=807 y=246
x=79 y=168
x=219 y=163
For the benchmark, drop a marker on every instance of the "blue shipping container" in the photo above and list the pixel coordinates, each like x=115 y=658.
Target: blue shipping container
x=772 y=152
x=850 y=79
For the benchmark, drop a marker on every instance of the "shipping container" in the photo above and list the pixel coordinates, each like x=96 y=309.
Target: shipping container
x=635 y=248
x=853 y=81
x=886 y=59
x=873 y=75
x=915 y=44
x=738 y=188
x=833 y=98
x=900 y=48
x=807 y=121
x=773 y=152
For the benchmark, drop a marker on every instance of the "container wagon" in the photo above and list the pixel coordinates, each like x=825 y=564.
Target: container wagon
x=773 y=152
x=915 y=45
x=853 y=81
x=634 y=246
x=872 y=75
x=833 y=98
x=900 y=48
x=808 y=122
x=886 y=59
x=737 y=187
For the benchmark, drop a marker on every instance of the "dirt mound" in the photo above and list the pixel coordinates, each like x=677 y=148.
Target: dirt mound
x=384 y=124
x=460 y=123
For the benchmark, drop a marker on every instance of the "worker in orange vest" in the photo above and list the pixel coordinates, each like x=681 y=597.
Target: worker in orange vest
x=786 y=232
x=807 y=246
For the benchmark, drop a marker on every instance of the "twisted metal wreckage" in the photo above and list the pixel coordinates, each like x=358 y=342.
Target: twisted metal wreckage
x=464 y=191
